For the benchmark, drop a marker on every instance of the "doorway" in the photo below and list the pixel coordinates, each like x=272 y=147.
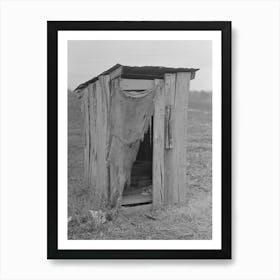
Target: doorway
x=139 y=191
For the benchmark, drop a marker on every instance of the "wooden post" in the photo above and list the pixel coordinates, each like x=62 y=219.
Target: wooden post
x=158 y=148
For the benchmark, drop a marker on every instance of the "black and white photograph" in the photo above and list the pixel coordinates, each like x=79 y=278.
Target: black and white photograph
x=139 y=140
x=139 y=116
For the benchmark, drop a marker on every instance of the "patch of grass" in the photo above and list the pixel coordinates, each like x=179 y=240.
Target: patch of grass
x=186 y=222
x=193 y=221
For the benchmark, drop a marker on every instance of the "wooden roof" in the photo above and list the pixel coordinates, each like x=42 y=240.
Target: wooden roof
x=137 y=72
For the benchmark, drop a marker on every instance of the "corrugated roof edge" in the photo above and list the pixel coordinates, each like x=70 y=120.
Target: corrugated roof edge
x=139 y=72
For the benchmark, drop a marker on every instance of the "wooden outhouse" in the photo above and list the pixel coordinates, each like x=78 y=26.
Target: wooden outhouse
x=135 y=135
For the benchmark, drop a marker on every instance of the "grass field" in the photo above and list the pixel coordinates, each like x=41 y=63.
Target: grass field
x=192 y=221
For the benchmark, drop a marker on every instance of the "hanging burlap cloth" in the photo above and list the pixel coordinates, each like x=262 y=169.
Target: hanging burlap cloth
x=130 y=114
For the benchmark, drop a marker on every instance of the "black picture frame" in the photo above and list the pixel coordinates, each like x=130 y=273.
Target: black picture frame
x=52 y=139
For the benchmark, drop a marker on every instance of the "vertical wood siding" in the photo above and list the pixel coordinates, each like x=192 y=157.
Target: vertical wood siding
x=108 y=161
x=158 y=148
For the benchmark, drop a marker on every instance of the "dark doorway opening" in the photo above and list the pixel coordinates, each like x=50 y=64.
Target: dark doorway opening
x=140 y=189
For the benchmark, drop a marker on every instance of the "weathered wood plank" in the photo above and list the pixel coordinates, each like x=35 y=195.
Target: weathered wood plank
x=98 y=152
x=115 y=171
x=180 y=122
x=134 y=84
x=85 y=114
x=136 y=210
x=158 y=147
x=170 y=167
x=104 y=137
x=136 y=198
x=105 y=89
x=176 y=88
x=92 y=132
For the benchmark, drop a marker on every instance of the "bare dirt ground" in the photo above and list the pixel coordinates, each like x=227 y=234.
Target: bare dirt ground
x=192 y=221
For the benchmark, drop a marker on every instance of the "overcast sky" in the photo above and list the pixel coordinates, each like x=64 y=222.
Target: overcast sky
x=87 y=59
